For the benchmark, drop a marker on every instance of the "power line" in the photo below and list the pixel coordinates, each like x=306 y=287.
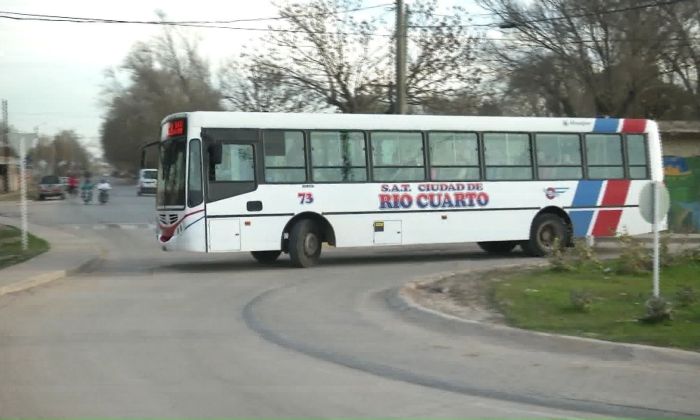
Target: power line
x=190 y=24
x=74 y=19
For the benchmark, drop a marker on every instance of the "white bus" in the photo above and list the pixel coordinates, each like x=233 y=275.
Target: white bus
x=268 y=183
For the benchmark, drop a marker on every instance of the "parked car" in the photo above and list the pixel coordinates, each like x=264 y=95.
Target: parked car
x=50 y=186
x=148 y=178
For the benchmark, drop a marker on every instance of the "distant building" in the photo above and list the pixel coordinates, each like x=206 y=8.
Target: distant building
x=680 y=138
x=9 y=169
x=9 y=159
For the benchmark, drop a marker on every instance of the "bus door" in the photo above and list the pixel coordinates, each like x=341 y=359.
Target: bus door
x=230 y=171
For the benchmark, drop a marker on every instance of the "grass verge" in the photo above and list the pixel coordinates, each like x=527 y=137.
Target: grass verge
x=11 y=246
x=549 y=300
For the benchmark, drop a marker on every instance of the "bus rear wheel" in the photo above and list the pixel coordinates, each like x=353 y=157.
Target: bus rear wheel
x=497 y=247
x=546 y=231
x=304 y=244
x=265 y=257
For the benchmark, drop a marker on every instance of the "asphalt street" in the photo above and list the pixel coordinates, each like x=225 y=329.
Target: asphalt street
x=146 y=333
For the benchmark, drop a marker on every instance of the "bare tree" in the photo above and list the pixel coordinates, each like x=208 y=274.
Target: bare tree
x=683 y=59
x=256 y=88
x=323 y=55
x=584 y=57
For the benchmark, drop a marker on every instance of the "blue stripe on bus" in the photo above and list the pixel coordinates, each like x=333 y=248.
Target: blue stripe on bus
x=581 y=220
x=606 y=125
x=587 y=193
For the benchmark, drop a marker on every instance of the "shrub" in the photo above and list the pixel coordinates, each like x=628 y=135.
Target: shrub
x=658 y=310
x=685 y=296
x=634 y=258
x=586 y=256
x=581 y=300
x=666 y=258
x=559 y=258
x=691 y=254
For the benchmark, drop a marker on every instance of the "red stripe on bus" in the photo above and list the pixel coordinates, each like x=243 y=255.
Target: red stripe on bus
x=634 y=125
x=167 y=232
x=606 y=223
x=616 y=192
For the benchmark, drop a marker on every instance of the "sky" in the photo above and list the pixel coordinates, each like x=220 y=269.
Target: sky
x=52 y=73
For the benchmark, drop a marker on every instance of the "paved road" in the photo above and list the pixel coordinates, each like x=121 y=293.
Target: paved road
x=153 y=334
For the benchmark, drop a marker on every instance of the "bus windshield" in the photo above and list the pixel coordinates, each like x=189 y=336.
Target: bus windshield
x=171 y=174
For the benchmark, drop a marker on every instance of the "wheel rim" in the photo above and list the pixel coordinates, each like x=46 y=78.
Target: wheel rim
x=310 y=244
x=548 y=235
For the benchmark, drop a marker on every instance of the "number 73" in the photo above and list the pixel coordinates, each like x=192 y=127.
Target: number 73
x=305 y=197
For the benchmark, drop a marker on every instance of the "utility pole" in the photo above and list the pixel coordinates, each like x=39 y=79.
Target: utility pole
x=400 y=107
x=6 y=146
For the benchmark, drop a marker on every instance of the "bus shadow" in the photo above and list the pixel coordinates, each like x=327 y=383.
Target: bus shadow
x=206 y=267
x=336 y=259
x=414 y=257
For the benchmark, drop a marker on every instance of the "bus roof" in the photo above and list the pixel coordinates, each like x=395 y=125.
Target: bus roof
x=320 y=121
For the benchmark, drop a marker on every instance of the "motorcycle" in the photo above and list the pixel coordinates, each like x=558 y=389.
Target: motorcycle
x=103 y=197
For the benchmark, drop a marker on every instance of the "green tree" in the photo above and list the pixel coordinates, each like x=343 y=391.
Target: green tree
x=60 y=154
x=165 y=75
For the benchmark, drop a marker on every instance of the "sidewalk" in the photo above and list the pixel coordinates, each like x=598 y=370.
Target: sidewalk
x=67 y=254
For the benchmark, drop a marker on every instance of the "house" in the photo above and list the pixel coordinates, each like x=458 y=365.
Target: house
x=9 y=170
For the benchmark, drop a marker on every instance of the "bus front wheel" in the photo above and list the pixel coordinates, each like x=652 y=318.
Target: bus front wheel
x=304 y=244
x=546 y=231
x=497 y=247
x=265 y=257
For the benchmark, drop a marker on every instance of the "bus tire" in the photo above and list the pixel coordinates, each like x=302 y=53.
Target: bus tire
x=545 y=229
x=304 y=244
x=265 y=257
x=497 y=247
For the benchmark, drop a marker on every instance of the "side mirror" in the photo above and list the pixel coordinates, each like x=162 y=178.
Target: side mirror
x=215 y=153
x=143 y=152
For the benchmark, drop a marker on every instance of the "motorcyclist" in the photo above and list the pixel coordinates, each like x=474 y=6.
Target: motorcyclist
x=103 y=185
x=86 y=188
x=72 y=184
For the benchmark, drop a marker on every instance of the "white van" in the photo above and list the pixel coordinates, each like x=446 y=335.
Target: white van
x=148 y=178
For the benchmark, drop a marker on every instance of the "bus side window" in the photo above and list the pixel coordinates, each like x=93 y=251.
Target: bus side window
x=338 y=156
x=285 y=156
x=637 y=156
x=237 y=164
x=558 y=156
x=397 y=156
x=454 y=156
x=507 y=156
x=604 y=156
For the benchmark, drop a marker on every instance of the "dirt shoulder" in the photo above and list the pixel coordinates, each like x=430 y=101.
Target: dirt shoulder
x=465 y=295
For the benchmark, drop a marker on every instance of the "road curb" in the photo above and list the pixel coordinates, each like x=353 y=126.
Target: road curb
x=401 y=301
x=68 y=254
x=44 y=278
x=32 y=282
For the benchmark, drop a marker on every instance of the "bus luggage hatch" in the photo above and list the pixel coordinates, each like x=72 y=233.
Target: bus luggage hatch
x=387 y=232
x=224 y=234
